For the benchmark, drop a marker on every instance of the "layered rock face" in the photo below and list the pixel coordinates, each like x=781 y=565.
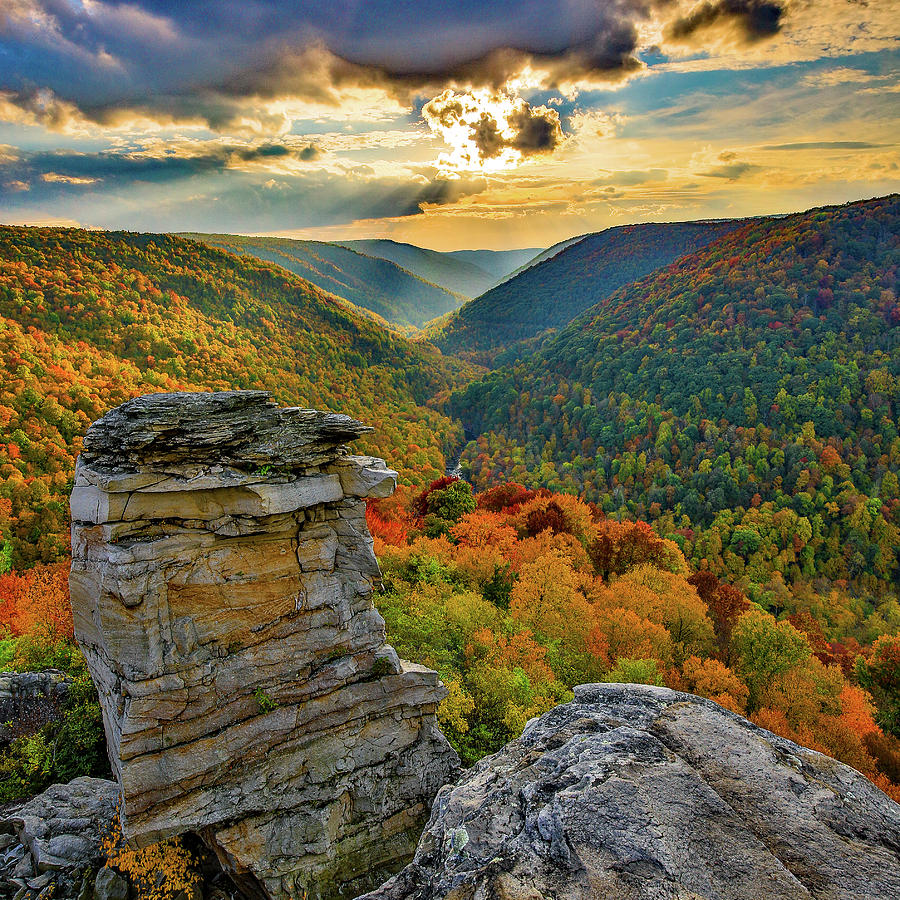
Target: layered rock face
x=222 y=582
x=642 y=793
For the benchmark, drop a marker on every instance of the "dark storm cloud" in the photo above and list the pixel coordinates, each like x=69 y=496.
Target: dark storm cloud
x=537 y=130
x=753 y=20
x=200 y=60
x=112 y=166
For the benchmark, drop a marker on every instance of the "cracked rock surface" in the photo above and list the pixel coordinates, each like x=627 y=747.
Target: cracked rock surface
x=222 y=582
x=635 y=792
x=50 y=846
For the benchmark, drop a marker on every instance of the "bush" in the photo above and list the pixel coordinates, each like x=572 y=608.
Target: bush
x=61 y=750
x=162 y=871
x=443 y=504
x=634 y=671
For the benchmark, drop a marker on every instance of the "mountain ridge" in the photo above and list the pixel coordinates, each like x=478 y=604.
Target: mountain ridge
x=393 y=293
x=758 y=374
x=516 y=315
x=92 y=318
x=467 y=272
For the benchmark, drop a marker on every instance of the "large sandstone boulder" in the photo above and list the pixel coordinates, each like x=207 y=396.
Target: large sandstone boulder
x=222 y=582
x=636 y=792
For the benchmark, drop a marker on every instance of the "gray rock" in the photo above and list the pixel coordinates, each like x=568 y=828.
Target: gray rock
x=110 y=885
x=56 y=836
x=21 y=686
x=241 y=428
x=642 y=793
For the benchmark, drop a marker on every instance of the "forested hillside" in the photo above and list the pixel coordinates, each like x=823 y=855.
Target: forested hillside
x=89 y=319
x=744 y=399
x=504 y=322
x=456 y=271
x=549 y=253
x=399 y=297
x=515 y=596
x=498 y=263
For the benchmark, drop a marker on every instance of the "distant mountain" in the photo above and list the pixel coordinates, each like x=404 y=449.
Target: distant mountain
x=746 y=398
x=89 y=319
x=549 y=253
x=498 y=263
x=549 y=294
x=399 y=296
x=469 y=272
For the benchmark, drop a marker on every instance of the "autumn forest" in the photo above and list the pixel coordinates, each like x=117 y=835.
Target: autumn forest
x=679 y=464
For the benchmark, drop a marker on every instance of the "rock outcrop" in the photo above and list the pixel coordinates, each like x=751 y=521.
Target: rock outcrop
x=222 y=582
x=29 y=700
x=50 y=846
x=643 y=793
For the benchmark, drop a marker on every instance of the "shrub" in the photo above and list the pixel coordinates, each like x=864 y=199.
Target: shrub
x=61 y=750
x=634 y=671
x=506 y=497
x=161 y=871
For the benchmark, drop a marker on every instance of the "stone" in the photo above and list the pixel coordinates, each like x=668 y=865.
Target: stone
x=643 y=793
x=366 y=476
x=222 y=581
x=56 y=837
x=245 y=429
x=110 y=885
x=30 y=700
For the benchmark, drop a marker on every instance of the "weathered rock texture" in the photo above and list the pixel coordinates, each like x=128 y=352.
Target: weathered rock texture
x=50 y=846
x=222 y=580
x=641 y=792
x=29 y=700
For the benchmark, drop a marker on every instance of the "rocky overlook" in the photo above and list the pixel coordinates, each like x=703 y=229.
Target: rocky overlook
x=643 y=793
x=222 y=581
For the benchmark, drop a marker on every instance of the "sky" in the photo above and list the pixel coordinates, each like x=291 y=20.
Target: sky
x=451 y=125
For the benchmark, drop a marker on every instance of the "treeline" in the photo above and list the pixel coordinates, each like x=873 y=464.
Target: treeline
x=515 y=596
x=745 y=401
x=89 y=319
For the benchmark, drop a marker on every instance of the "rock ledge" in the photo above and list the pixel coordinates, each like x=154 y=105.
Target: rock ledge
x=643 y=793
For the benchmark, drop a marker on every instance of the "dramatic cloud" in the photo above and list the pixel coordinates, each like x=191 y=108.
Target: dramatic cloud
x=108 y=60
x=491 y=131
x=258 y=115
x=753 y=20
x=200 y=192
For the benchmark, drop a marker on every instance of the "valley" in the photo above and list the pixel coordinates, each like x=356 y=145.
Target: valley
x=449 y=451
x=678 y=448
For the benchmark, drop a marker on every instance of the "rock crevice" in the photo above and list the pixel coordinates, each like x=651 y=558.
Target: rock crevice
x=222 y=582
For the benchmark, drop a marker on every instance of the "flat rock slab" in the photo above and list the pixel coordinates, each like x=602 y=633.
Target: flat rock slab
x=642 y=793
x=240 y=428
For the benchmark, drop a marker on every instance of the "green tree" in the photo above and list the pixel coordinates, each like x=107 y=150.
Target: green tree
x=765 y=648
